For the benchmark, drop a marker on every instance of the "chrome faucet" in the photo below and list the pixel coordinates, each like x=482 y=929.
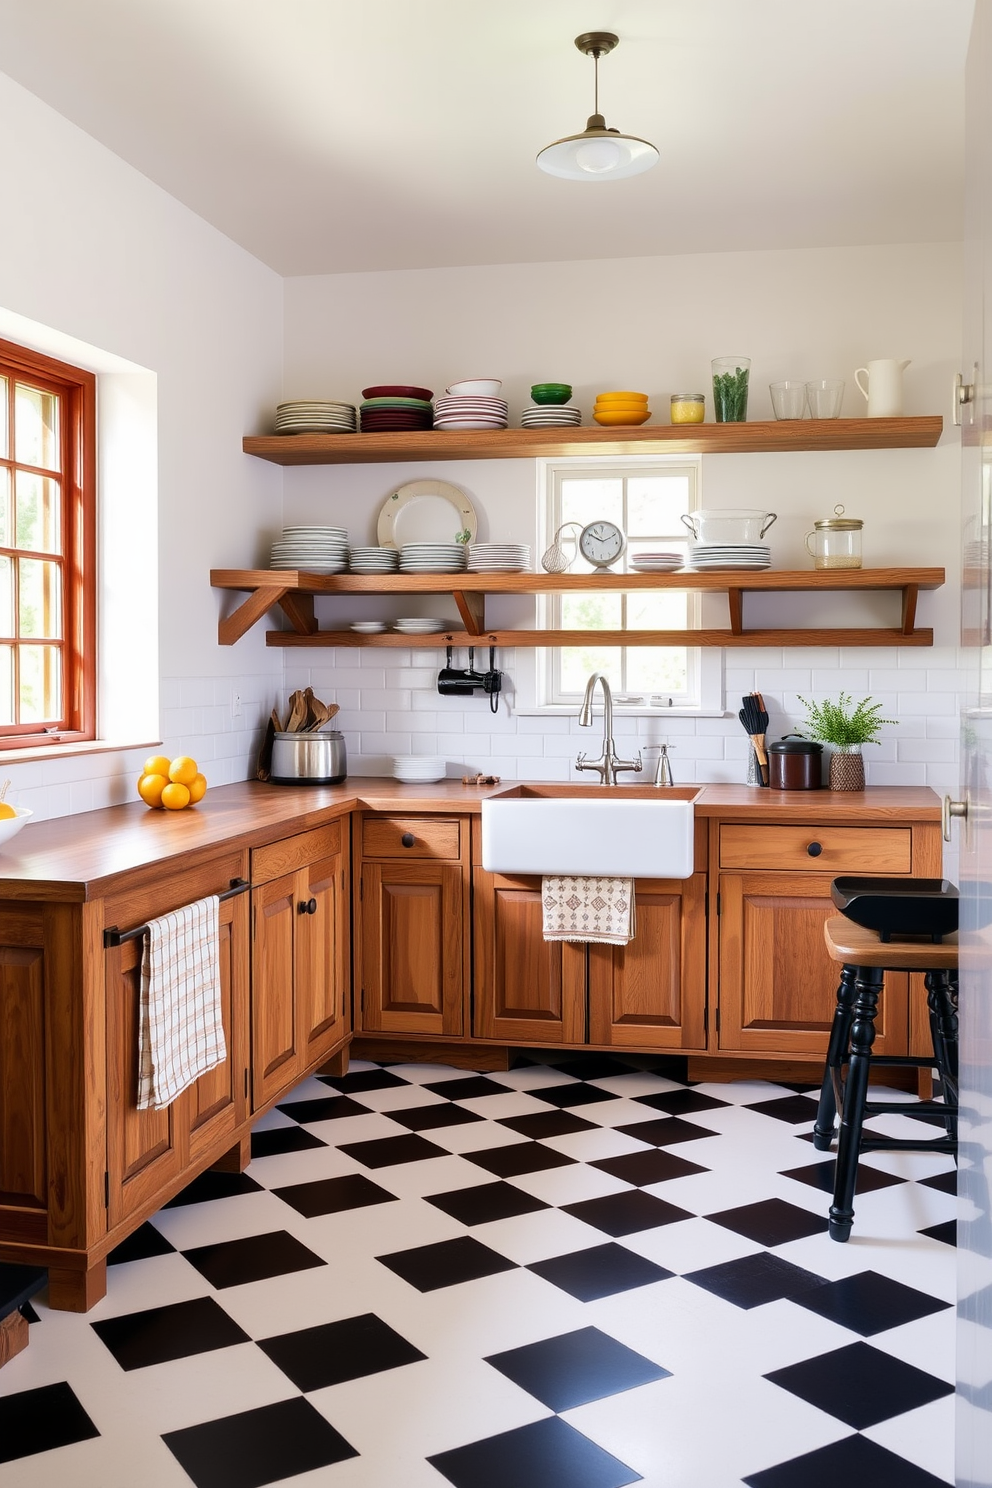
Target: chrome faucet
x=607 y=765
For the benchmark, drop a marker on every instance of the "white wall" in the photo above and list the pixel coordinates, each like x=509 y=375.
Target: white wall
x=94 y=250
x=653 y=324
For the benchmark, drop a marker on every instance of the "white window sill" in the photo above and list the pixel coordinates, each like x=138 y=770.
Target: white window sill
x=64 y=751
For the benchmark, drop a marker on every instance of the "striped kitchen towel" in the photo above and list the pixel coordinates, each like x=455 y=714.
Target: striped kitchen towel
x=181 y=1034
x=596 y=909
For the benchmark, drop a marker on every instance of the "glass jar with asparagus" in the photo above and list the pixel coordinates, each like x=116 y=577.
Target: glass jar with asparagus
x=730 y=380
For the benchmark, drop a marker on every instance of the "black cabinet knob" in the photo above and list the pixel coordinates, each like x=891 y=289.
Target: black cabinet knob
x=408 y=839
x=307 y=906
x=815 y=849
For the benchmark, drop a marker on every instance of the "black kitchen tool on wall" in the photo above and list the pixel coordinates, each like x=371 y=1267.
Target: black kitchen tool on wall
x=466 y=681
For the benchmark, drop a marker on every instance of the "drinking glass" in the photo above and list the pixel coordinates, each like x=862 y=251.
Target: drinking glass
x=788 y=399
x=825 y=398
x=730 y=379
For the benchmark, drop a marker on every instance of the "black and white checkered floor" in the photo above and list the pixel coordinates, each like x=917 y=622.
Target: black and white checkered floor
x=569 y=1276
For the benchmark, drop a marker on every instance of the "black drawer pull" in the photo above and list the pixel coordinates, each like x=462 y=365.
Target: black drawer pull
x=307 y=906
x=408 y=839
x=113 y=937
x=815 y=849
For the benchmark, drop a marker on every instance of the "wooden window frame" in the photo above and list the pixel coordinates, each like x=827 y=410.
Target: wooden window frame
x=76 y=389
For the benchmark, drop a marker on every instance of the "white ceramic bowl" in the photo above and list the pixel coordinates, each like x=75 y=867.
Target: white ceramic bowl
x=11 y=825
x=475 y=387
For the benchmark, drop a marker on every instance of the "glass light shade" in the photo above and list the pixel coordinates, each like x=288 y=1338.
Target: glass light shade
x=597 y=154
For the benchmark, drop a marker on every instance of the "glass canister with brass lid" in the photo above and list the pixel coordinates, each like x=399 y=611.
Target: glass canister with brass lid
x=836 y=541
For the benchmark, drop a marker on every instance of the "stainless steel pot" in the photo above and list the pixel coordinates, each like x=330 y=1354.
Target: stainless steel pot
x=309 y=759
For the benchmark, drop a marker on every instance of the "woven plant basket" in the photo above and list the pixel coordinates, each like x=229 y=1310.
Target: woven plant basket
x=847 y=770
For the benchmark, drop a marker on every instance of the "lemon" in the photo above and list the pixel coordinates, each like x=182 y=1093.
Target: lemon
x=157 y=764
x=150 y=787
x=7 y=811
x=175 y=796
x=197 y=789
x=182 y=770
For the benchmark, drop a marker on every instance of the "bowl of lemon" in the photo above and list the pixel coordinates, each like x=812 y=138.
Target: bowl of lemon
x=171 y=785
x=12 y=819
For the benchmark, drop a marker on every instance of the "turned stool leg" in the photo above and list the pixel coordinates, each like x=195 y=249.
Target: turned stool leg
x=942 y=1002
x=840 y=1031
x=867 y=987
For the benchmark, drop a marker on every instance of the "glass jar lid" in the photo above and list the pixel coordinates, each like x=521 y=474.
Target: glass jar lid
x=688 y=397
x=839 y=523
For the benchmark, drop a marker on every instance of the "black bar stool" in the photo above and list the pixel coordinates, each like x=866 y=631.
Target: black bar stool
x=864 y=958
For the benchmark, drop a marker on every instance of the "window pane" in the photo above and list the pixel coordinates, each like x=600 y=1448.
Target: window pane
x=585 y=500
x=39 y=513
x=6 y=596
x=661 y=669
x=655 y=504
x=7 y=684
x=579 y=662
x=591 y=612
x=657 y=611
x=40 y=683
x=3 y=417
x=39 y=598
x=6 y=530
x=36 y=429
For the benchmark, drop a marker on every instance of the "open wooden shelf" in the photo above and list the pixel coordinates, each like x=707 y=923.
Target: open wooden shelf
x=648 y=439
x=294 y=591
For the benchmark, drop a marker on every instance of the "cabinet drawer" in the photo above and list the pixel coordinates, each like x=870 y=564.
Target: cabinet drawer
x=432 y=837
x=841 y=849
x=291 y=853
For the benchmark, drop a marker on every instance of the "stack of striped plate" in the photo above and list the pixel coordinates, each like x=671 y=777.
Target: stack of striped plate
x=463 y=412
x=321 y=550
x=418 y=769
x=731 y=555
x=657 y=562
x=498 y=558
x=432 y=558
x=551 y=416
x=422 y=625
x=315 y=418
x=373 y=560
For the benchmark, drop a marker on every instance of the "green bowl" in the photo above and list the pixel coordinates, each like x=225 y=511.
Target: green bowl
x=551 y=392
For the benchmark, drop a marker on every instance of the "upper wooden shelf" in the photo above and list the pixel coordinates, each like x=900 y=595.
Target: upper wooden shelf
x=648 y=439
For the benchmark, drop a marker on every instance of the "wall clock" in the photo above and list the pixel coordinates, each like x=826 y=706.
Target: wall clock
x=601 y=543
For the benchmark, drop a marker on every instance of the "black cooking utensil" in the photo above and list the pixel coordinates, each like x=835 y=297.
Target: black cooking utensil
x=755 y=720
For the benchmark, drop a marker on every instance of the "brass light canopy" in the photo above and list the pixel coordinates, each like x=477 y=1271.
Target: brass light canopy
x=598 y=153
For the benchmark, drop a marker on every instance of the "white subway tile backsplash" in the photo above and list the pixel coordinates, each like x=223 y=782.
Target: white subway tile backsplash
x=927 y=751
x=854 y=680
x=926 y=704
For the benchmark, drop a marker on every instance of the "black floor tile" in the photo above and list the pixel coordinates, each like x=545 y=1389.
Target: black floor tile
x=428 y=1118
x=626 y=1213
x=576 y=1093
x=17 y=1284
x=236 y=1262
x=575 y=1368
x=791 y=1108
x=869 y=1303
x=38 y=1420
x=329 y=1354
x=855 y=1462
x=520 y=1157
x=946 y=1233
x=387 y=1152
x=139 y=1339
x=486 y=1202
x=545 y=1454
x=666 y=1131
x=447 y=1263
x=654 y=1166
x=770 y=1222
x=469 y=1088
x=942 y=1182
x=548 y=1124
x=325 y=1108
x=210 y=1186
x=592 y=1066
x=279 y=1139
x=28 y=1312
x=756 y=1279
x=680 y=1102
x=146 y=1242
x=354 y=1083
x=821 y=1175
x=601 y=1271
x=258 y=1446
x=860 y=1385
x=333 y=1195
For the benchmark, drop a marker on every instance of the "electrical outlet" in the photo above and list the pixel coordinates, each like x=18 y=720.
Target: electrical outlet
x=236 y=705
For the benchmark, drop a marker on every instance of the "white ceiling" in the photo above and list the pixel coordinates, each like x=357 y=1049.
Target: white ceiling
x=336 y=135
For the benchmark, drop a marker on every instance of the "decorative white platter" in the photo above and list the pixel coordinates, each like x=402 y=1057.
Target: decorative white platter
x=432 y=511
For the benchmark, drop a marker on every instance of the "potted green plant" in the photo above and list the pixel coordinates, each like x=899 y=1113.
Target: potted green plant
x=847 y=727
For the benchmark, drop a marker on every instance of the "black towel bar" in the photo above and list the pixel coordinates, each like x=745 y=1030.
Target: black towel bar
x=114 y=937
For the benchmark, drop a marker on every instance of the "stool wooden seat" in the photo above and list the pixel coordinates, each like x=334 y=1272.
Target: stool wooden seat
x=864 y=959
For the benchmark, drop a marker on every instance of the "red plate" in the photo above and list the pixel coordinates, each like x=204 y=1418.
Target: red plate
x=393 y=391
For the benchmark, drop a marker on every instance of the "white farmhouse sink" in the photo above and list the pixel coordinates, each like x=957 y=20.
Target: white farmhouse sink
x=625 y=831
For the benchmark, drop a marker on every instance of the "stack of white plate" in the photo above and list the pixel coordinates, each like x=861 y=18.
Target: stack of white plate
x=731 y=555
x=373 y=560
x=470 y=413
x=315 y=418
x=498 y=558
x=657 y=562
x=418 y=769
x=422 y=625
x=368 y=627
x=316 y=549
x=432 y=558
x=550 y=416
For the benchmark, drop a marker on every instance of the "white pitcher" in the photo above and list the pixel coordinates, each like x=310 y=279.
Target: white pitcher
x=884 y=390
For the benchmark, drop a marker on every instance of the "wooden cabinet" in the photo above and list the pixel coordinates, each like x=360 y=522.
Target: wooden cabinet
x=300 y=956
x=412 y=947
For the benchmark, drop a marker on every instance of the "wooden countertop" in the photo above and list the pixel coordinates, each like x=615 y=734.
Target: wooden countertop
x=74 y=858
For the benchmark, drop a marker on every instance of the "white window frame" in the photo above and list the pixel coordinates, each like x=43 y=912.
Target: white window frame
x=534 y=666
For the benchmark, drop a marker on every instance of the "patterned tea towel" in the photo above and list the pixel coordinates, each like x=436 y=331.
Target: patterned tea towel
x=597 y=909
x=181 y=1034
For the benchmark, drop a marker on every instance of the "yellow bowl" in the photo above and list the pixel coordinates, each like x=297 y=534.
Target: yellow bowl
x=622 y=398
x=615 y=416
x=620 y=408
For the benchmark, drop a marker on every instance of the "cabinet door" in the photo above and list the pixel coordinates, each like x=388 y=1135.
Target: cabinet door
x=778 y=986
x=23 y=1084
x=527 y=989
x=651 y=993
x=414 y=961
x=322 y=959
x=218 y=1101
x=276 y=1057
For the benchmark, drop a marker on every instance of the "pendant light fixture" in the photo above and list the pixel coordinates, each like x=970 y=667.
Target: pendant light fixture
x=598 y=153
